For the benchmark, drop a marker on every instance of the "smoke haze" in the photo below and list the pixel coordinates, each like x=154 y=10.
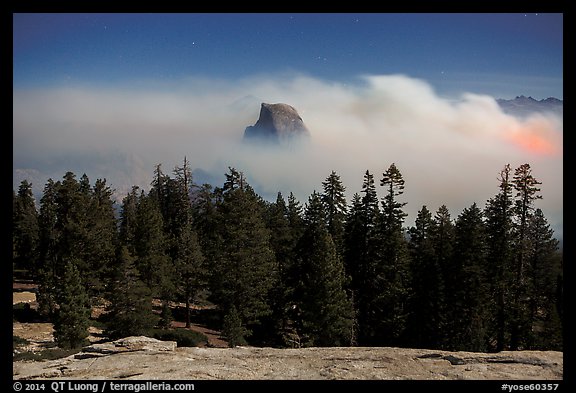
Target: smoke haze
x=449 y=150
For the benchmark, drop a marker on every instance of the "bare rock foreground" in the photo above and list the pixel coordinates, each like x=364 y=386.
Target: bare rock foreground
x=150 y=359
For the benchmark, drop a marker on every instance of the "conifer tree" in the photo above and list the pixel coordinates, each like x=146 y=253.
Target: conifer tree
x=101 y=237
x=151 y=260
x=130 y=311
x=71 y=321
x=466 y=290
x=282 y=243
x=392 y=280
x=294 y=216
x=128 y=220
x=361 y=244
x=192 y=275
x=526 y=187
x=442 y=236
x=233 y=328
x=354 y=241
x=334 y=200
x=48 y=253
x=72 y=200
x=25 y=230
x=499 y=220
x=543 y=270
x=246 y=270
x=326 y=313
x=425 y=319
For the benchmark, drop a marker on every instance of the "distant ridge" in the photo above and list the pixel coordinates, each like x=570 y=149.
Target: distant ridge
x=523 y=106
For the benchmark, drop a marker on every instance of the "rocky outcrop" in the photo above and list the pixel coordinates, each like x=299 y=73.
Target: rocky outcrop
x=145 y=358
x=128 y=344
x=277 y=124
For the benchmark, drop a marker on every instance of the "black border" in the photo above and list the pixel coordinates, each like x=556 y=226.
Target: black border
x=398 y=6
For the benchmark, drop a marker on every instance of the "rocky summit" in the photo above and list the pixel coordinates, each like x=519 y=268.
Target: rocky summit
x=147 y=358
x=277 y=124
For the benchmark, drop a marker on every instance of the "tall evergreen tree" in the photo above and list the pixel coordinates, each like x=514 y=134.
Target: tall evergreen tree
x=130 y=310
x=71 y=321
x=425 y=319
x=442 y=237
x=128 y=220
x=361 y=246
x=25 y=230
x=294 y=215
x=283 y=245
x=155 y=267
x=392 y=271
x=334 y=200
x=326 y=313
x=526 y=187
x=466 y=290
x=205 y=218
x=192 y=275
x=354 y=241
x=101 y=237
x=72 y=199
x=246 y=270
x=543 y=271
x=48 y=253
x=499 y=219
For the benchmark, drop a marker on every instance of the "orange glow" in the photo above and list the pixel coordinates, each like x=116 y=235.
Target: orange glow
x=534 y=144
x=536 y=138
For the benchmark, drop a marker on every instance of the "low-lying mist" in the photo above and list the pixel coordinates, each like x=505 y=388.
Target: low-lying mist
x=450 y=150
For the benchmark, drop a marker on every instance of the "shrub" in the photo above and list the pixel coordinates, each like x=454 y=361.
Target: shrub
x=17 y=341
x=183 y=337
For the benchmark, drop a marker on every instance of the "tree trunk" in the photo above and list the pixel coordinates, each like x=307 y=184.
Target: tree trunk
x=187 y=311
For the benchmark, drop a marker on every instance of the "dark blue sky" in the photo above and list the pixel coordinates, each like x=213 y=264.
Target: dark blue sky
x=499 y=54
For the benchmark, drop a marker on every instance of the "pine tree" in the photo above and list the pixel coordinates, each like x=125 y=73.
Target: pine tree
x=130 y=310
x=245 y=270
x=101 y=237
x=354 y=241
x=233 y=328
x=543 y=271
x=425 y=320
x=71 y=321
x=392 y=280
x=72 y=201
x=190 y=268
x=290 y=274
x=283 y=245
x=499 y=219
x=128 y=220
x=48 y=254
x=361 y=244
x=25 y=230
x=326 y=313
x=442 y=237
x=527 y=191
x=294 y=216
x=467 y=290
x=334 y=200
x=152 y=262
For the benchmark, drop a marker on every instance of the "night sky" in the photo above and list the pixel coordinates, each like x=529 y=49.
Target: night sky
x=112 y=95
x=498 y=54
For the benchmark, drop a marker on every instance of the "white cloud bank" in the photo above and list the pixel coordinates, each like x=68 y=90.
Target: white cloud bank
x=449 y=151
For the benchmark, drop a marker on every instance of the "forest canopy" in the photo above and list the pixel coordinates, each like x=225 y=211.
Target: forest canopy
x=326 y=272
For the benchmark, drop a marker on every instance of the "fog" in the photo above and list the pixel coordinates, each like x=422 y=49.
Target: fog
x=449 y=150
